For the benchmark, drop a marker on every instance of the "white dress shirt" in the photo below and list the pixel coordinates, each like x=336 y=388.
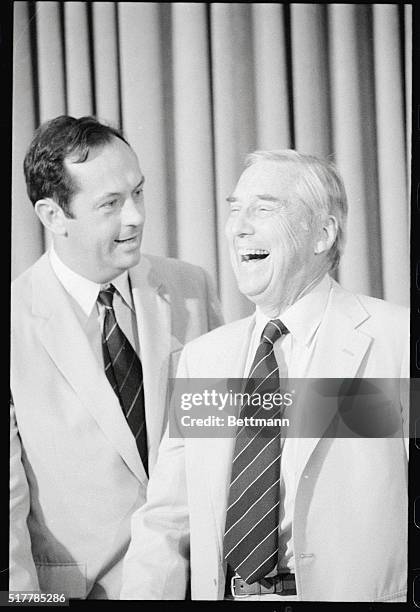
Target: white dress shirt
x=294 y=353
x=84 y=293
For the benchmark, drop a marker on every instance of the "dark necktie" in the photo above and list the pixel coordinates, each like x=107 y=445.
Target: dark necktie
x=124 y=372
x=252 y=519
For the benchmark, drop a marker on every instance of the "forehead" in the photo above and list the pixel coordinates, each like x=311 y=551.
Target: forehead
x=108 y=167
x=267 y=177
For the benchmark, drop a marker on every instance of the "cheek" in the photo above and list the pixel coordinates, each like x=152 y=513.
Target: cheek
x=228 y=230
x=106 y=232
x=291 y=233
x=83 y=235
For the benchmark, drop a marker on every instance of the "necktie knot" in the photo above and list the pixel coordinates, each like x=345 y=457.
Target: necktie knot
x=106 y=296
x=273 y=331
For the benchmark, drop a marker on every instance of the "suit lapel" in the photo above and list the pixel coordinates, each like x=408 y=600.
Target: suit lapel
x=217 y=452
x=67 y=344
x=339 y=353
x=153 y=311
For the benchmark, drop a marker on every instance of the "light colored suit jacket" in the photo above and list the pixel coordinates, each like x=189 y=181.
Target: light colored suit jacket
x=350 y=514
x=76 y=475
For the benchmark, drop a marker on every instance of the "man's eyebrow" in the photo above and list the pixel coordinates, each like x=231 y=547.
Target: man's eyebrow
x=268 y=198
x=263 y=196
x=113 y=194
x=105 y=196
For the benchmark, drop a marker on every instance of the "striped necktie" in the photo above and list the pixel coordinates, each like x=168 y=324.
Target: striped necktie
x=124 y=372
x=252 y=519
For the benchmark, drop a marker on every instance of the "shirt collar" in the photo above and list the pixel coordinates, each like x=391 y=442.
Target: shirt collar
x=83 y=290
x=122 y=285
x=302 y=318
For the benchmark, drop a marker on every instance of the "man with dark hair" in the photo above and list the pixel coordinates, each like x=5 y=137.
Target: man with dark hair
x=316 y=512
x=96 y=332
x=58 y=139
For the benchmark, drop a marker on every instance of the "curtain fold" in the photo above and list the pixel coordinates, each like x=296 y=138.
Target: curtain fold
x=50 y=59
x=105 y=52
x=197 y=86
x=408 y=69
x=353 y=145
x=193 y=145
x=78 y=76
x=142 y=111
x=272 y=113
x=391 y=151
x=234 y=127
x=27 y=236
x=310 y=78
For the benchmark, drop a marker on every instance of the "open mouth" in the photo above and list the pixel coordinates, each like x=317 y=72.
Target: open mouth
x=253 y=254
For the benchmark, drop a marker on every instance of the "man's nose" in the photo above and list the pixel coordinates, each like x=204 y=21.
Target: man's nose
x=133 y=212
x=241 y=223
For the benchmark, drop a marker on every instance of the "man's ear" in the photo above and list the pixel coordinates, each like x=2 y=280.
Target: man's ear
x=328 y=234
x=51 y=216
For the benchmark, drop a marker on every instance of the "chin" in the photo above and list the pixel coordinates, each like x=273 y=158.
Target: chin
x=252 y=288
x=132 y=260
x=251 y=293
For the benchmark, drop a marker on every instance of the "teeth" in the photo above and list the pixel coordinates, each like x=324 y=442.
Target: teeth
x=253 y=252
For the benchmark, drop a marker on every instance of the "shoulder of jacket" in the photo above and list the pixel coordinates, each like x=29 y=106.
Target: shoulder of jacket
x=383 y=312
x=170 y=265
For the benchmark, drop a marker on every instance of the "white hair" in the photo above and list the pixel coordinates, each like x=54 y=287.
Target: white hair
x=319 y=185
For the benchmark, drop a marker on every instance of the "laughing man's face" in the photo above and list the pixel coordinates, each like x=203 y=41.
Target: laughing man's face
x=270 y=232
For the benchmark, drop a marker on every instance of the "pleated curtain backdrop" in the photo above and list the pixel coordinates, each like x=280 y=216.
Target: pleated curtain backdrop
x=197 y=86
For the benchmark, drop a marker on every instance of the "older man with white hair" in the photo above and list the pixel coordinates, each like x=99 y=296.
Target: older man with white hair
x=320 y=517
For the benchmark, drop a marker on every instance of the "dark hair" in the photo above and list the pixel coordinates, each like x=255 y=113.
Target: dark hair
x=54 y=141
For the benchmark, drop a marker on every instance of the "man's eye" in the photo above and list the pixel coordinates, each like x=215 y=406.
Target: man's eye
x=138 y=192
x=109 y=204
x=234 y=209
x=265 y=208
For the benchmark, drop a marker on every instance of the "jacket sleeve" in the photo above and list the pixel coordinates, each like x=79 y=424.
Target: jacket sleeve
x=22 y=571
x=156 y=565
